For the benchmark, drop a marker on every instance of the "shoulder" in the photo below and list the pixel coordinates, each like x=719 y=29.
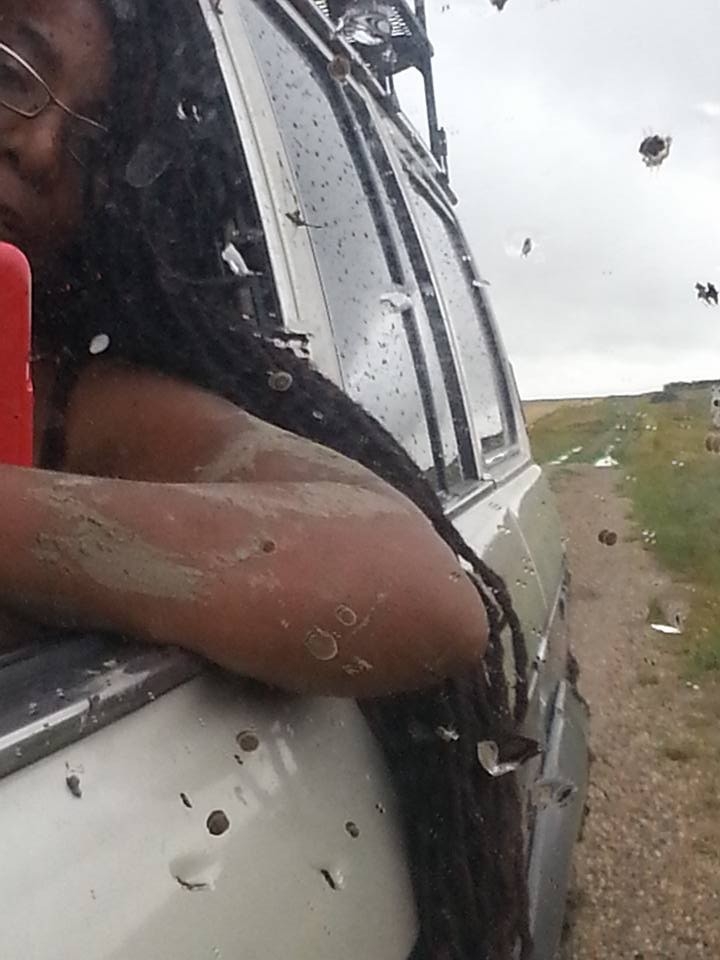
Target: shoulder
x=139 y=424
x=130 y=389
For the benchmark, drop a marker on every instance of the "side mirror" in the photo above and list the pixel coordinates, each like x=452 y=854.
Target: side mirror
x=16 y=390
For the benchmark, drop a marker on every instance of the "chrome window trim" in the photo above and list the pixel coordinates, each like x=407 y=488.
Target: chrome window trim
x=61 y=690
x=388 y=194
x=516 y=462
x=423 y=275
x=297 y=283
x=412 y=174
x=485 y=320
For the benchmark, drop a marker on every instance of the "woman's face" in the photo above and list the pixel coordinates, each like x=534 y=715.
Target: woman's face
x=42 y=184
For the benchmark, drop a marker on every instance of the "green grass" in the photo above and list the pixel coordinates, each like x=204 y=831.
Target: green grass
x=680 y=504
x=590 y=426
x=705 y=655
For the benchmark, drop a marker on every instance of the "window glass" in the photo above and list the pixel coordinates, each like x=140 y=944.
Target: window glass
x=426 y=338
x=367 y=308
x=437 y=388
x=474 y=350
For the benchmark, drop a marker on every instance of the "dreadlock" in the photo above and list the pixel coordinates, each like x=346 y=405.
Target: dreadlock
x=148 y=273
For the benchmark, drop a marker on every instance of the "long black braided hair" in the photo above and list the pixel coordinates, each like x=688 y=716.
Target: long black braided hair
x=148 y=273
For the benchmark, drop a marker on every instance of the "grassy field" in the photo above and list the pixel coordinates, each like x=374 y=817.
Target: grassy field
x=671 y=480
x=535 y=409
x=580 y=432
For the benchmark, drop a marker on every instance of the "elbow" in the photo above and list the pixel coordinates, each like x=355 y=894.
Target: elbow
x=387 y=610
x=417 y=620
x=446 y=628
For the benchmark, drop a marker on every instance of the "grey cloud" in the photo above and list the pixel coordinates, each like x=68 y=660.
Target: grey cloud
x=545 y=105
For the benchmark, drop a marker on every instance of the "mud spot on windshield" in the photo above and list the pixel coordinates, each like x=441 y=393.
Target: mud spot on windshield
x=346 y=616
x=248 y=740
x=321 y=644
x=280 y=381
x=72 y=781
x=333 y=878
x=217 y=823
x=655 y=149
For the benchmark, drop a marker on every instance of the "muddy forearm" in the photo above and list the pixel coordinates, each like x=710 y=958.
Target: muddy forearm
x=318 y=587
x=69 y=558
x=129 y=556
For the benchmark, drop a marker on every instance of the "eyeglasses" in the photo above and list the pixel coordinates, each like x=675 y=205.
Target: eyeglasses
x=24 y=92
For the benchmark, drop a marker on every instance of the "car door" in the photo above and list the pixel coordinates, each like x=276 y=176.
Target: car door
x=156 y=810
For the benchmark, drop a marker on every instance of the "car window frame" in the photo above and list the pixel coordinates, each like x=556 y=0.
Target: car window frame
x=285 y=18
x=463 y=256
x=392 y=201
x=414 y=169
x=292 y=261
x=407 y=235
x=297 y=279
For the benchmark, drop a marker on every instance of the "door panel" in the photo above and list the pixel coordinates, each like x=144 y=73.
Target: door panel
x=491 y=523
x=129 y=869
x=540 y=523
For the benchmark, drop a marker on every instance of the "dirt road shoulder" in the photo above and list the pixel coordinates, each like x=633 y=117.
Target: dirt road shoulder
x=649 y=862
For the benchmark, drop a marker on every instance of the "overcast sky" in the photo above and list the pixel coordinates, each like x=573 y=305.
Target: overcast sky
x=545 y=105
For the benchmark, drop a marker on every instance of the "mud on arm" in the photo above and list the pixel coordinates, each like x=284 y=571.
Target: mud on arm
x=318 y=586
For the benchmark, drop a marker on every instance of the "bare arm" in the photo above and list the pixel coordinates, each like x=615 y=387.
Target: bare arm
x=281 y=561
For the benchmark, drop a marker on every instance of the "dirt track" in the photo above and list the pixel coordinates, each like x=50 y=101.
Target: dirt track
x=648 y=867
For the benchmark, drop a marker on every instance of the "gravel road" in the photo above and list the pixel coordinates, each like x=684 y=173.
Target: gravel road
x=648 y=866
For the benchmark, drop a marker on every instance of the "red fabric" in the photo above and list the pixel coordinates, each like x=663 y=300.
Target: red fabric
x=16 y=391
